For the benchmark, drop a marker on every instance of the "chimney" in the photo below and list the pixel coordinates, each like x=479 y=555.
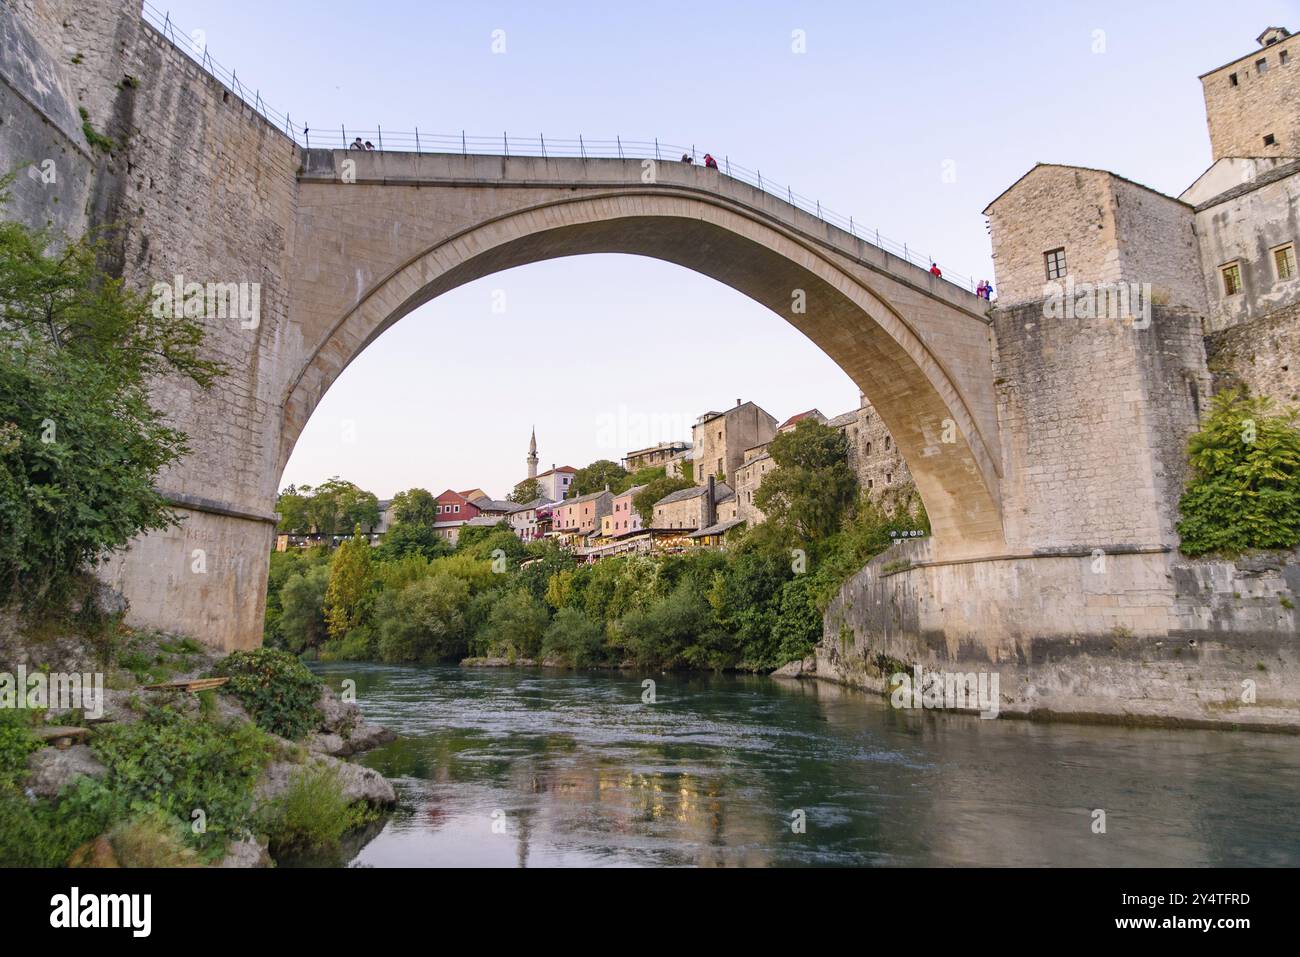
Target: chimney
x=710 y=506
x=738 y=403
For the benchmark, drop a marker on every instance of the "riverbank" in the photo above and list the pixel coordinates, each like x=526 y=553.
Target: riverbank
x=110 y=757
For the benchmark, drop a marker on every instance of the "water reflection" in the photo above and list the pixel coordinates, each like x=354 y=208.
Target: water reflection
x=533 y=768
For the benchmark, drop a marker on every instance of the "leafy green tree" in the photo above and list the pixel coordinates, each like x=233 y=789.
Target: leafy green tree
x=526 y=491
x=425 y=621
x=516 y=625
x=301 y=624
x=81 y=445
x=415 y=506
x=1245 y=489
x=813 y=486
x=574 y=639
x=410 y=538
x=351 y=584
x=644 y=500
x=661 y=636
x=597 y=476
x=483 y=541
x=292 y=508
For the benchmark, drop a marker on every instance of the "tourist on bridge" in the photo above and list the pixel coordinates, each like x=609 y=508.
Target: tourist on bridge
x=369 y=145
x=935 y=271
x=981 y=288
x=357 y=144
x=687 y=158
x=709 y=161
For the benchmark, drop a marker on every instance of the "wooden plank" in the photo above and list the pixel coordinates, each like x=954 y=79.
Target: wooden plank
x=191 y=685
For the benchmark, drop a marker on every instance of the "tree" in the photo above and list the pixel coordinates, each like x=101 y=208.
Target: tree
x=1245 y=490
x=516 y=625
x=597 y=476
x=415 y=506
x=813 y=486
x=292 y=508
x=302 y=601
x=425 y=621
x=526 y=491
x=338 y=506
x=81 y=445
x=408 y=538
x=351 y=583
x=644 y=500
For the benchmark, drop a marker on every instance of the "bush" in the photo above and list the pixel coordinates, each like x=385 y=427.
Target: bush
x=179 y=765
x=424 y=621
x=301 y=624
x=16 y=743
x=312 y=814
x=574 y=639
x=1245 y=490
x=275 y=687
x=660 y=636
x=515 y=627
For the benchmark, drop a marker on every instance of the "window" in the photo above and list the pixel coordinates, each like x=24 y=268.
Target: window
x=1269 y=139
x=868 y=448
x=1055 y=261
x=1284 y=57
x=1231 y=278
x=1284 y=261
x=1232 y=79
x=888 y=443
x=1261 y=65
x=889 y=478
x=458 y=509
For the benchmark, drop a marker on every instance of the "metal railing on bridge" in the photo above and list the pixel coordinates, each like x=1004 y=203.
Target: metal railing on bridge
x=506 y=144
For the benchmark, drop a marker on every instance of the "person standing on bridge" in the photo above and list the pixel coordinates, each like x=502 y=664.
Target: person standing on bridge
x=370 y=145
x=935 y=271
x=709 y=161
x=979 y=290
x=357 y=144
x=687 y=158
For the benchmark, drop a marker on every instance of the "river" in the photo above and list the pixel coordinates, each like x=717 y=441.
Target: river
x=528 y=767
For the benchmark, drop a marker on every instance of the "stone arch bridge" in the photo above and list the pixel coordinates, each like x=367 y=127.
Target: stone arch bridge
x=1066 y=437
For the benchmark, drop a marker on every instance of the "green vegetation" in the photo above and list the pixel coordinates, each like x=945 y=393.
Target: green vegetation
x=598 y=476
x=1245 y=489
x=335 y=507
x=312 y=815
x=80 y=443
x=275 y=688
x=93 y=137
x=755 y=606
x=526 y=491
x=16 y=742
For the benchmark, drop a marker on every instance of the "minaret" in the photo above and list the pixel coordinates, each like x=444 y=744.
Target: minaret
x=532 y=455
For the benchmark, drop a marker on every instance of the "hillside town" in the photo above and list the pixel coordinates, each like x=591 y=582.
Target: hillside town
x=723 y=466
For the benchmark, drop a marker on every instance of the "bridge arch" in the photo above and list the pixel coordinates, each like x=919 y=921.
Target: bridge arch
x=437 y=240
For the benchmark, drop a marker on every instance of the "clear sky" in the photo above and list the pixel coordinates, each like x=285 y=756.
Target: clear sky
x=909 y=116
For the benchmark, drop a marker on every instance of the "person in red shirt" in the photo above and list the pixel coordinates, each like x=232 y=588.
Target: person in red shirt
x=709 y=161
x=935 y=271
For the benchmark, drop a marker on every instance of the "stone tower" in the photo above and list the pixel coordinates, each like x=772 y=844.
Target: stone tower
x=1250 y=102
x=532 y=455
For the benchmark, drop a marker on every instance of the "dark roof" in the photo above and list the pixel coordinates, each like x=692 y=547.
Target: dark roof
x=717 y=529
x=847 y=418
x=722 y=489
x=493 y=504
x=1087 y=169
x=1272 y=176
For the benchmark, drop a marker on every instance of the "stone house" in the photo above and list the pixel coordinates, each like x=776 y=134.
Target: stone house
x=690 y=508
x=555 y=482
x=655 y=455
x=1224 y=250
x=721 y=438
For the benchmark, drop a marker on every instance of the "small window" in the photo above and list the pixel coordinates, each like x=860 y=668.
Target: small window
x=457 y=508
x=1231 y=278
x=1284 y=261
x=888 y=443
x=889 y=478
x=868 y=448
x=1232 y=79
x=1055 y=261
x=1269 y=139
x=1261 y=65
x=1284 y=57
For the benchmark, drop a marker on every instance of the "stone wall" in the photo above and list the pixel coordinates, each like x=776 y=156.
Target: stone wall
x=1095 y=414
x=199 y=186
x=1241 y=115
x=1139 y=636
x=725 y=437
x=1262 y=355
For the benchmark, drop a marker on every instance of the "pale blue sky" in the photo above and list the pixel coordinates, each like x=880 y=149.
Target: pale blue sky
x=865 y=120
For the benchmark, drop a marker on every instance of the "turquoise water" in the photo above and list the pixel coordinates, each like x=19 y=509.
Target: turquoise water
x=525 y=767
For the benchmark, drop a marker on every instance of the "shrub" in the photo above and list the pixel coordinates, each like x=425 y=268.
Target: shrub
x=301 y=624
x=425 y=621
x=351 y=586
x=275 y=687
x=515 y=627
x=1245 y=490
x=574 y=639
x=16 y=743
x=178 y=765
x=312 y=814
